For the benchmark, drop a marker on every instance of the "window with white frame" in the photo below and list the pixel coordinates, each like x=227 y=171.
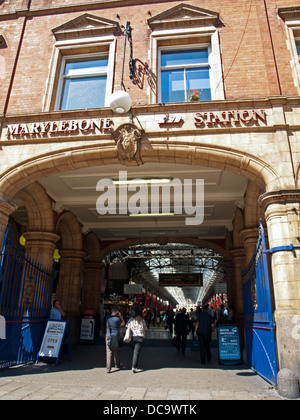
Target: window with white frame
x=83 y=82
x=298 y=48
x=184 y=74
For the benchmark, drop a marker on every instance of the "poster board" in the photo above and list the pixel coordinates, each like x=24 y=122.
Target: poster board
x=229 y=345
x=53 y=339
x=87 y=330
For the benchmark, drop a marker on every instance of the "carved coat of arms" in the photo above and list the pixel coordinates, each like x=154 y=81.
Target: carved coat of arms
x=127 y=137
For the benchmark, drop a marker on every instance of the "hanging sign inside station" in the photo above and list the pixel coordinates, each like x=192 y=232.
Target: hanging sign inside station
x=180 y=279
x=133 y=289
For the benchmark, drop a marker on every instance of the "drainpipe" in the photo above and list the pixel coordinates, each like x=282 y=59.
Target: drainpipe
x=272 y=45
x=16 y=59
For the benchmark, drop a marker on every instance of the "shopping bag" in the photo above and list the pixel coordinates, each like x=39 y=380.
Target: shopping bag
x=127 y=337
x=195 y=345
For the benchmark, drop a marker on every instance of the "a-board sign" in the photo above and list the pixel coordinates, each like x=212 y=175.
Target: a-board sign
x=87 y=330
x=229 y=344
x=53 y=339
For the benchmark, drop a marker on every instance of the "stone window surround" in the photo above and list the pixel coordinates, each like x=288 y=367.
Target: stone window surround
x=75 y=47
x=291 y=18
x=181 y=38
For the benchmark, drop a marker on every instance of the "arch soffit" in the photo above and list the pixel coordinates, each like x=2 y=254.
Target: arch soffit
x=39 y=208
x=235 y=161
x=69 y=229
x=201 y=243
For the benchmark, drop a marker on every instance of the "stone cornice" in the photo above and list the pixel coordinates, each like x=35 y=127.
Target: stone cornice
x=279 y=197
x=182 y=107
x=70 y=8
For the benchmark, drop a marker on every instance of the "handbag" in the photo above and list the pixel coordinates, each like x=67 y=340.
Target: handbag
x=195 y=345
x=127 y=337
x=174 y=340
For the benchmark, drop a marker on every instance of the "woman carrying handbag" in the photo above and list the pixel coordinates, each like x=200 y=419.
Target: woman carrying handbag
x=136 y=332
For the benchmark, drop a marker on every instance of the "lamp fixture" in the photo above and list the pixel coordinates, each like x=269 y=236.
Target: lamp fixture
x=120 y=101
x=143 y=181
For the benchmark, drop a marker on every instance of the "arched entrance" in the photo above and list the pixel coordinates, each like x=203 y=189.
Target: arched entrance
x=262 y=178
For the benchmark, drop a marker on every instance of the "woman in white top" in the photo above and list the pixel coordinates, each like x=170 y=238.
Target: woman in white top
x=138 y=333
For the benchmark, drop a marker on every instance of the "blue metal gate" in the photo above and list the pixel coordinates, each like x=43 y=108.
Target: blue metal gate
x=259 y=325
x=25 y=298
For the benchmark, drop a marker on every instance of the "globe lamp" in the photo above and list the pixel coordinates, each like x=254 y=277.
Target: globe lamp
x=120 y=102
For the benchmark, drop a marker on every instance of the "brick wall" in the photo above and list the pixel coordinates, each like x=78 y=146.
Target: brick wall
x=248 y=51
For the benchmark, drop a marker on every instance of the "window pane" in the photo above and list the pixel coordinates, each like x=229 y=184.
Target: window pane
x=298 y=47
x=85 y=66
x=172 y=86
x=83 y=93
x=199 y=79
x=184 y=57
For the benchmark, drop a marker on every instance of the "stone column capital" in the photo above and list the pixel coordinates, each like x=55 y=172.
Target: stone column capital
x=72 y=254
x=279 y=197
x=238 y=254
x=42 y=237
x=249 y=235
x=7 y=207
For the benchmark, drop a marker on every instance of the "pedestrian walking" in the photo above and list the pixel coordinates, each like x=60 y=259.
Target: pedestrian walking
x=170 y=318
x=203 y=329
x=113 y=324
x=182 y=329
x=137 y=326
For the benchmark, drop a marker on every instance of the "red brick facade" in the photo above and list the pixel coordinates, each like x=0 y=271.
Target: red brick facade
x=255 y=58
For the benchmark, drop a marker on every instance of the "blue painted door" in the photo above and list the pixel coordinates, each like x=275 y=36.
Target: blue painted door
x=259 y=325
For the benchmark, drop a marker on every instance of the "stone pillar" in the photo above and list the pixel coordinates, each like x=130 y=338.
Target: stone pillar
x=40 y=246
x=91 y=286
x=239 y=261
x=70 y=279
x=69 y=288
x=249 y=237
x=282 y=217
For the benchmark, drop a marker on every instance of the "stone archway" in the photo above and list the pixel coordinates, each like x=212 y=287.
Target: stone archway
x=241 y=163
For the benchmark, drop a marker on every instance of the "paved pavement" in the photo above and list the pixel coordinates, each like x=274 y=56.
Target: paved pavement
x=165 y=375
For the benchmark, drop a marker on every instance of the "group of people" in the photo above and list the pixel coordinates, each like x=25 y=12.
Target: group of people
x=201 y=327
x=201 y=323
x=137 y=328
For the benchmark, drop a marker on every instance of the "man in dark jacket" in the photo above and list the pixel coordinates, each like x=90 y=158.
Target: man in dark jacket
x=203 y=329
x=182 y=329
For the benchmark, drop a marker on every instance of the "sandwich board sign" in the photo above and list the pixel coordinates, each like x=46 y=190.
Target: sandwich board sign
x=53 y=340
x=229 y=345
